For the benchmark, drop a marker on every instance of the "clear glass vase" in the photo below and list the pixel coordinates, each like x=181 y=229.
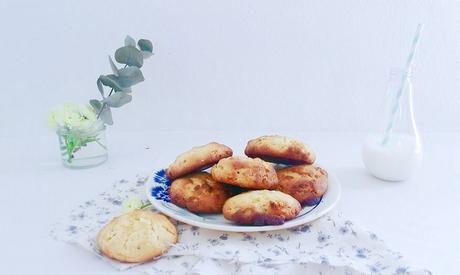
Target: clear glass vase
x=83 y=148
x=394 y=151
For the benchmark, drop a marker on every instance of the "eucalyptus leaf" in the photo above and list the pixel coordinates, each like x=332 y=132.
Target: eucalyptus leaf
x=113 y=66
x=145 y=45
x=111 y=81
x=130 y=76
x=100 y=87
x=126 y=90
x=118 y=99
x=106 y=115
x=130 y=56
x=96 y=104
x=146 y=54
x=129 y=71
x=129 y=41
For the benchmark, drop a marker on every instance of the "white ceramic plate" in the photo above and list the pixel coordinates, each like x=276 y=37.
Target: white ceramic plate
x=158 y=193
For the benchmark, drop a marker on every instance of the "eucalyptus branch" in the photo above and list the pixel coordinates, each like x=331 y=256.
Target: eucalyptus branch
x=103 y=105
x=120 y=82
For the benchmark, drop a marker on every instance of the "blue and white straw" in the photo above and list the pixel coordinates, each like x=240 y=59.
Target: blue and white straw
x=397 y=104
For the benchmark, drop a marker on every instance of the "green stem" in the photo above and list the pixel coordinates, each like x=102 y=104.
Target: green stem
x=74 y=143
x=103 y=105
x=146 y=205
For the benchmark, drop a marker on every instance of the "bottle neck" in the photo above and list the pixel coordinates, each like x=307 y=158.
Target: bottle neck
x=399 y=118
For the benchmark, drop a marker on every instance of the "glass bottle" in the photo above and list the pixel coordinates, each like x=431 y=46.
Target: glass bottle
x=395 y=151
x=83 y=149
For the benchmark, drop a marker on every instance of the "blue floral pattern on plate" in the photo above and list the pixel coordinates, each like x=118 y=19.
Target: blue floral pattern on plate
x=160 y=191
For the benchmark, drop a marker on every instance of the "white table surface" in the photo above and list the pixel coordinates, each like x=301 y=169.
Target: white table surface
x=419 y=217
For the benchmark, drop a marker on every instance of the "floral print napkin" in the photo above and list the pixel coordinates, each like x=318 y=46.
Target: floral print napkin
x=329 y=245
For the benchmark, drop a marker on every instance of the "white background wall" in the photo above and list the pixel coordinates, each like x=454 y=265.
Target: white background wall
x=237 y=65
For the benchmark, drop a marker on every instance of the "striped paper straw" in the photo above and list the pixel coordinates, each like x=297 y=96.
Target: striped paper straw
x=396 y=106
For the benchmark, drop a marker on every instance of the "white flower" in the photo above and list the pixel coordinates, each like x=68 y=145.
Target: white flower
x=131 y=204
x=74 y=117
x=88 y=113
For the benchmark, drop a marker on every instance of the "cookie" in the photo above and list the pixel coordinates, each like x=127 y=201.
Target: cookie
x=198 y=158
x=261 y=207
x=306 y=183
x=245 y=172
x=137 y=236
x=279 y=149
x=199 y=193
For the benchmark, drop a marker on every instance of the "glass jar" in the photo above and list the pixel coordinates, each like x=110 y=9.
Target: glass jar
x=83 y=148
x=394 y=152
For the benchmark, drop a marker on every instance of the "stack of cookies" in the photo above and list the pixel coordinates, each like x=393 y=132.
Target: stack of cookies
x=248 y=189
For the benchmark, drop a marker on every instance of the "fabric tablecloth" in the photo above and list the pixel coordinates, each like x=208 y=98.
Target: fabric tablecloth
x=331 y=244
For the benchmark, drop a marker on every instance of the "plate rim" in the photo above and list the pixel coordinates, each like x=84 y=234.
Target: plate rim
x=309 y=217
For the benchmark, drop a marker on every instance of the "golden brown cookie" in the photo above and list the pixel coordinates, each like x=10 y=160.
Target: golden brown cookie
x=245 y=172
x=261 y=207
x=199 y=193
x=198 y=158
x=280 y=149
x=306 y=183
x=137 y=236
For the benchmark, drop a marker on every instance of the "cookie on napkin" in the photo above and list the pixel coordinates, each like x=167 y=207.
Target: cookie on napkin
x=137 y=236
